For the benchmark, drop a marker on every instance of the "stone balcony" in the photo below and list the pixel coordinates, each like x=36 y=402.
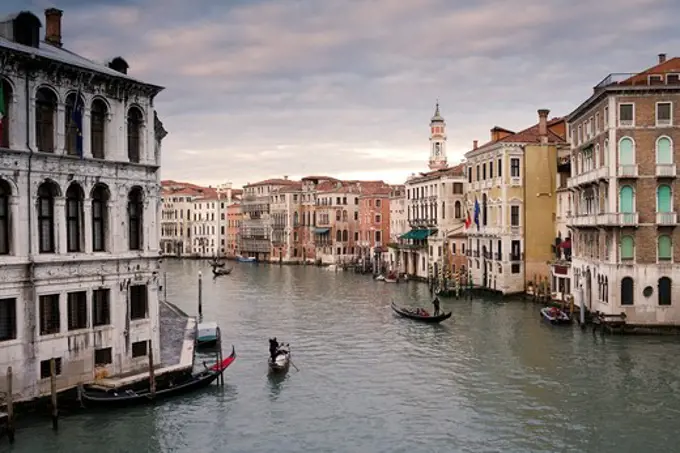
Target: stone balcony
x=588 y=177
x=666 y=218
x=627 y=171
x=666 y=171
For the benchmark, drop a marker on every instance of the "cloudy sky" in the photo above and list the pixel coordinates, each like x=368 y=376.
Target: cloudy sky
x=266 y=88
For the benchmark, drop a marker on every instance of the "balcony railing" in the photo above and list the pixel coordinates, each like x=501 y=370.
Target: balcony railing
x=515 y=181
x=588 y=177
x=627 y=218
x=516 y=257
x=665 y=171
x=666 y=218
x=628 y=171
x=583 y=220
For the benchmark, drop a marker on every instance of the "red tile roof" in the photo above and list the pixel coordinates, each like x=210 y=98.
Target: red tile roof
x=530 y=135
x=641 y=78
x=273 y=182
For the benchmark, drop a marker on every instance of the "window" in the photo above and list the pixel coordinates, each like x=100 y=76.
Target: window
x=484 y=171
x=134 y=134
x=46 y=193
x=627 y=294
x=457 y=210
x=626 y=115
x=6 y=89
x=377 y=218
x=484 y=209
x=457 y=187
x=514 y=167
x=49 y=314
x=664 y=153
x=478 y=173
x=664 y=113
x=135 y=220
x=46 y=367
x=626 y=200
x=627 y=248
x=514 y=215
x=663 y=198
x=98 y=114
x=515 y=250
x=500 y=167
x=73 y=118
x=139 y=306
x=664 y=291
x=664 y=248
x=5 y=225
x=672 y=79
x=378 y=236
x=74 y=209
x=377 y=203
x=101 y=309
x=139 y=349
x=77 y=310
x=103 y=357
x=491 y=170
x=100 y=196
x=469 y=171
x=345 y=235
x=45 y=116
x=8 y=319
x=515 y=268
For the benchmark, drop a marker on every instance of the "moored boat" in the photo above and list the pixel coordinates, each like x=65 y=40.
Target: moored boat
x=217 y=271
x=215 y=263
x=420 y=314
x=282 y=361
x=554 y=315
x=245 y=259
x=391 y=277
x=207 y=335
x=112 y=398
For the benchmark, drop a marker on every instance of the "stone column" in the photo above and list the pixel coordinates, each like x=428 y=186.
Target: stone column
x=16 y=226
x=87 y=137
x=60 y=125
x=60 y=225
x=87 y=225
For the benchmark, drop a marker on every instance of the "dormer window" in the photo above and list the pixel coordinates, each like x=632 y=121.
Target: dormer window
x=672 y=79
x=655 y=79
x=27 y=29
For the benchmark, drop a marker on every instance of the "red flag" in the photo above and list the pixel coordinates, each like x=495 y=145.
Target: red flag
x=468 y=221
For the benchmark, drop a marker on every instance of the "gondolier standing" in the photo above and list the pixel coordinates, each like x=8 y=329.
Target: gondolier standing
x=435 y=302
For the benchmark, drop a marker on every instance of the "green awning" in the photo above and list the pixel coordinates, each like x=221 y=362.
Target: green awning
x=418 y=235
x=321 y=230
x=406 y=235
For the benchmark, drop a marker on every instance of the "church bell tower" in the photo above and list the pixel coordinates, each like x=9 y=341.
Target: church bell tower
x=437 y=141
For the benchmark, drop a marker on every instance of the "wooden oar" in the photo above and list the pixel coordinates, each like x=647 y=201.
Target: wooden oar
x=291 y=360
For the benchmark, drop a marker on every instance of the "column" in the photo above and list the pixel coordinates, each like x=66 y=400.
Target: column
x=16 y=226
x=60 y=225
x=60 y=125
x=87 y=137
x=87 y=225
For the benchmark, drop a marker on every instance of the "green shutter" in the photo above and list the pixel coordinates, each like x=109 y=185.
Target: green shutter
x=627 y=248
x=663 y=198
x=663 y=151
x=626 y=152
x=664 y=247
x=626 y=199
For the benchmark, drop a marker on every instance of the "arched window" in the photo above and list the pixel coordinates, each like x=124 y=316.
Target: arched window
x=296 y=219
x=664 y=153
x=663 y=198
x=344 y=216
x=457 y=210
x=46 y=194
x=627 y=295
x=135 y=218
x=338 y=235
x=5 y=113
x=45 y=119
x=134 y=134
x=664 y=247
x=626 y=199
x=74 y=217
x=664 y=291
x=337 y=215
x=100 y=198
x=627 y=248
x=626 y=151
x=73 y=123
x=98 y=114
x=5 y=225
x=605 y=148
x=345 y=235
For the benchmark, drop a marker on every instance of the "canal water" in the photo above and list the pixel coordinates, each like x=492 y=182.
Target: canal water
x=494 y=378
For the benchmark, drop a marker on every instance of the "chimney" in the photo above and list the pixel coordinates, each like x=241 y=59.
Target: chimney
x=53 y=26
x=285 y=177
x=474 y=144
x=662 y=58
x=543 y=124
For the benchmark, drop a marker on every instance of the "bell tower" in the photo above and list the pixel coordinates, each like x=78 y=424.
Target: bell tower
x=437 y=141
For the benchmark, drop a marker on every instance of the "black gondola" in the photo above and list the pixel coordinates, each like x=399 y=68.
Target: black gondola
x=217 y=272
x=111 y=398
x=282 y=361
x=216 y=263
x=406 y=313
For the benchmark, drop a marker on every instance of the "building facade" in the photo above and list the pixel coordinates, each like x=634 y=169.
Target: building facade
x=374 y=225
x=511 y=202
x=79 y=212
x=234 y=219
x=625 y=196
x=285 y=220
x=398 y=226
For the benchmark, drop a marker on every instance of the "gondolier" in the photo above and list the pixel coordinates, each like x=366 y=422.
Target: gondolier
x=435 y=302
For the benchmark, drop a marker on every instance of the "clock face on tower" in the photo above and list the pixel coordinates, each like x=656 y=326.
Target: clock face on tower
x=437 y=149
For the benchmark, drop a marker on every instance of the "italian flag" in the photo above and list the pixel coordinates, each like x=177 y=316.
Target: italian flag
x=2 y=113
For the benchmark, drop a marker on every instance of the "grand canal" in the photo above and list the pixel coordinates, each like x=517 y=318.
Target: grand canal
x=493 y=378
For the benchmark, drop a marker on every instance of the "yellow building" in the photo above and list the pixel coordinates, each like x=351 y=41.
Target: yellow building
x=511 y=205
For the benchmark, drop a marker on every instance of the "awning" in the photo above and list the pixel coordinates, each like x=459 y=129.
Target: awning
x=566 y=244
x=321 y=230
x=418 y=235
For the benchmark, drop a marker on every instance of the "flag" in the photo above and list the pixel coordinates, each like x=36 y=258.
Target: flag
x=2 y=113
x=477 y=213
x=77 y=118
x=468 y=220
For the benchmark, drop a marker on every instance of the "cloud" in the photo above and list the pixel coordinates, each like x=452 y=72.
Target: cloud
x=263 y=88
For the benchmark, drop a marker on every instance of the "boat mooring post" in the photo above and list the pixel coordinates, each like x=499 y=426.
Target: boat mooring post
x=200 y=293
x=165 y=286
x=152 y=374
x=220 y=379
x=53 y=389
x=582 y=308
x=10 y=407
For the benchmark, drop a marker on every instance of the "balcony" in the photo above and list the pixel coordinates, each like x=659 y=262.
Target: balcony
x=627 y=218
x=628 y=171
x=515 y=181
x=588 y=177
x=666 y=171
x=666 y=218
x=516 y=257
x=587 y=220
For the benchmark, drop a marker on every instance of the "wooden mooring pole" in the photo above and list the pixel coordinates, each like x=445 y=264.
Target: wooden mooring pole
x=165 y=286
x=152 y=374
x=200 y=293
x=53 y=390
x=10 y=406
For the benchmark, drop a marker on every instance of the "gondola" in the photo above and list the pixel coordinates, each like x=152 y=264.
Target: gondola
x=282 y=361
x=217 y=272
x=216 y=263
x=244 y=259
x=112 y=398
x=554 y=315
x=407 y=313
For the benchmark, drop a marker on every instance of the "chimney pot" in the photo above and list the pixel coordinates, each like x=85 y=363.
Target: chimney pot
x=543 y=122
x=474 y=144
x=662 y=58
x=53 y=26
